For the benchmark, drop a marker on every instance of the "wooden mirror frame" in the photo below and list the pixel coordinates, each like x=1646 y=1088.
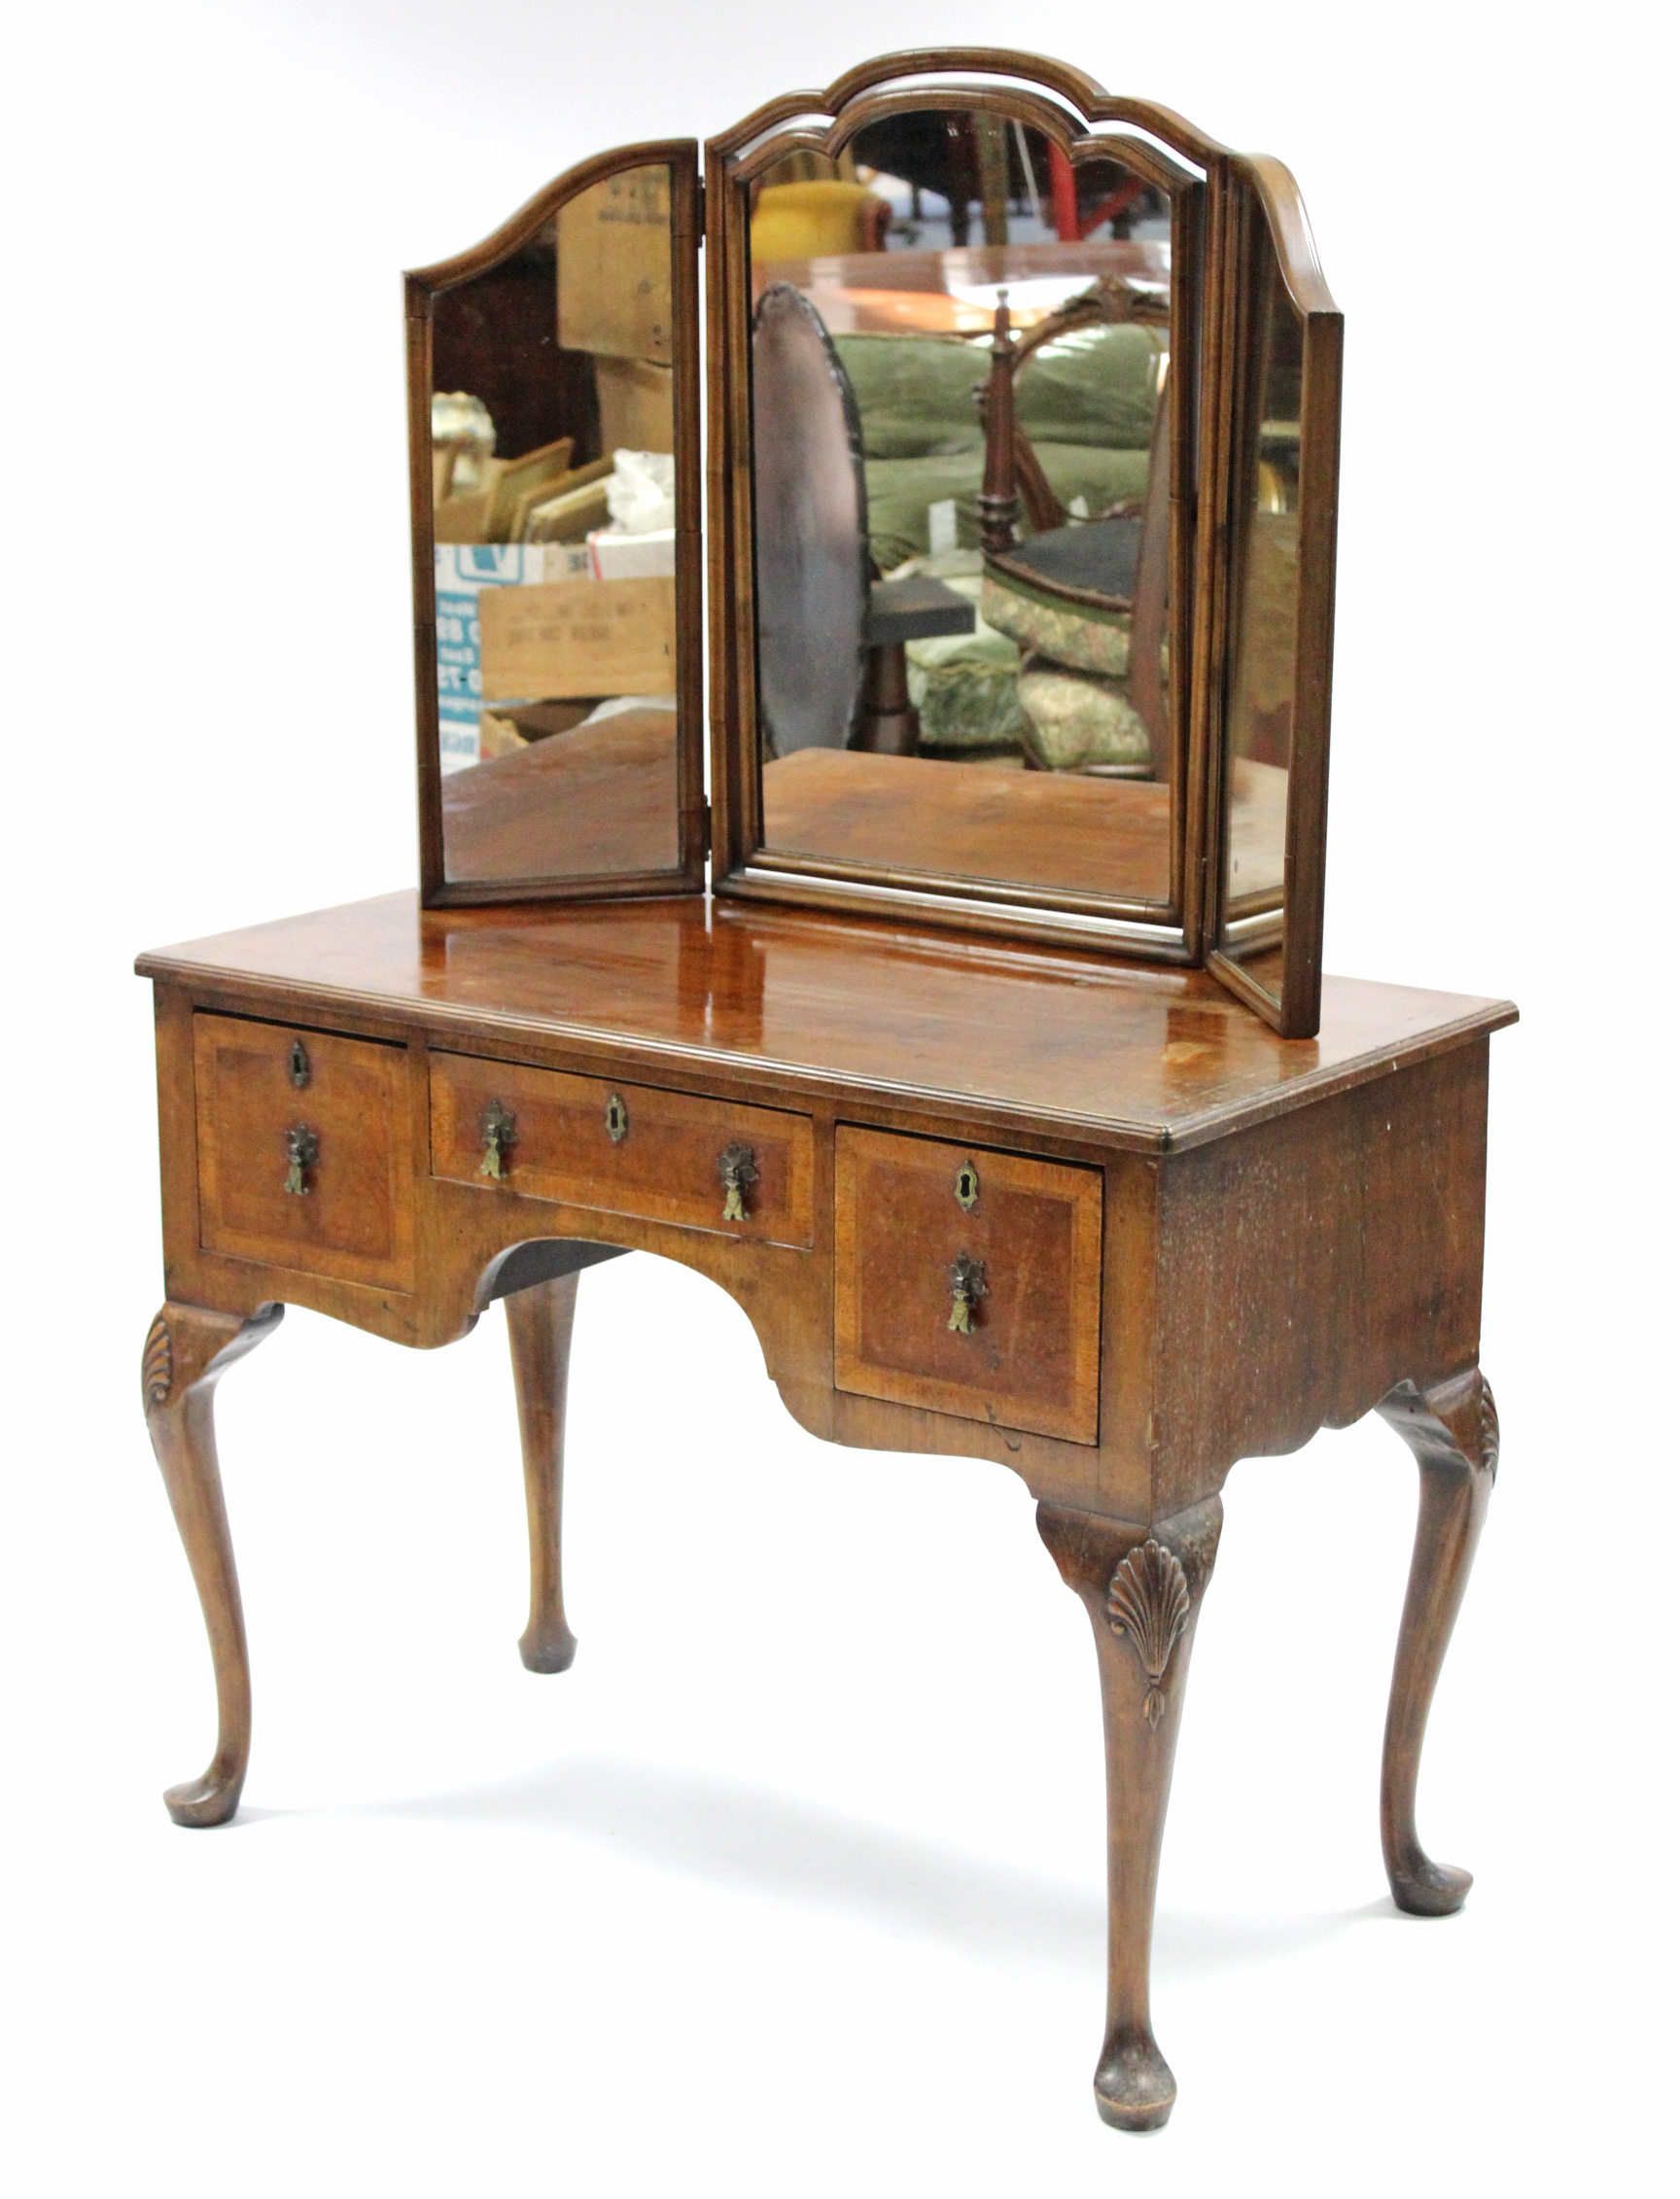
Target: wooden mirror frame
x=1213 y=224
x=1071 y=109
x=421 y=290
x=1075 y=111
x=1265 y=194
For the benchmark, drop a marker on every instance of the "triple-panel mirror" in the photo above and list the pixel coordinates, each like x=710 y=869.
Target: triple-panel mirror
x=1019 y=521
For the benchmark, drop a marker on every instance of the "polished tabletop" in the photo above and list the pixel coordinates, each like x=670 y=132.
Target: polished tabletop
x=1149 y=1057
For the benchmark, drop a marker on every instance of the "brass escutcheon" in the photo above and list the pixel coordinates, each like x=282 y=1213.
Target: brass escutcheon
x=617 y=1119
x=497 y=1128
x=967 y=1280
x=967 y=1186
x=298 y=1065
x=302 y=1151
x=736 y=1168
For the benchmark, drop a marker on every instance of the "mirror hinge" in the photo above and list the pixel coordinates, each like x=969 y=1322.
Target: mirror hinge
x=700 y=212
x=706 y=828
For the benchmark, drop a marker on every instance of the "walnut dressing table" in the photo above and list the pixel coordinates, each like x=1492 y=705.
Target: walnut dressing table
x=1111 y=1189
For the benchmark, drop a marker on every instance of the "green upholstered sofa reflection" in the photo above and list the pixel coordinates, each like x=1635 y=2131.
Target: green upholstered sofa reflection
x=1086 y=399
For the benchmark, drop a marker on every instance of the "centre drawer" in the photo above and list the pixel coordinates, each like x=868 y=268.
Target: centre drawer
x=622 y=1148
x=967 y=1281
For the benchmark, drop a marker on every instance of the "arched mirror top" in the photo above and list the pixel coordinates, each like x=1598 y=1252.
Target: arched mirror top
x=1003 y=277
x=975 y=67
x=1291 y=232
x=830 y=139
x=520 y=229
x=555 y=491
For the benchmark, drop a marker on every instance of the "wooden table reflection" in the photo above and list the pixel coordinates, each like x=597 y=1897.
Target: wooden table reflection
x=598 y=802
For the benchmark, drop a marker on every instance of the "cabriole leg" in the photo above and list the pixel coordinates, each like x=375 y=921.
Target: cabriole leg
x=540 y=1338
x=188 y=1350
x=1453 y=1431
x=1143 y=1588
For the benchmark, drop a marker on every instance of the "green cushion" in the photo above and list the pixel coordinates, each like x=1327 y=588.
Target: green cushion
x=914 y=394
x=901 y=490
x=964 y=685
x=1071 y=720
x=1093 y=386
x=1100 y=476
x=1066 y=634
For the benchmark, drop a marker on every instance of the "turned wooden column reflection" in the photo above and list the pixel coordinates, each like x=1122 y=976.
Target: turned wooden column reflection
x=997 y=504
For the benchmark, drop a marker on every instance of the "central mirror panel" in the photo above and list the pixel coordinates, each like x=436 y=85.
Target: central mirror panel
x=971 y=590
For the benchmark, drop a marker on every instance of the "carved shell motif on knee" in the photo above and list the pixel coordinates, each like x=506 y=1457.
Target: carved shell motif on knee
x=1149 y=1599
x=156 y=1365
x=1489 y=1432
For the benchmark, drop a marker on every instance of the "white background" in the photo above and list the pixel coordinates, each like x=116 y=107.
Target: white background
x=795 y=1884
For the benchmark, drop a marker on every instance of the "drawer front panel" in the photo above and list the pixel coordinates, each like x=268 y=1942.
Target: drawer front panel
x=622 y=1148
x=910 y=1217
x=303 y=1150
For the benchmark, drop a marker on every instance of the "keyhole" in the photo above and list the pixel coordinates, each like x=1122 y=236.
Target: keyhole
x=968 y=1185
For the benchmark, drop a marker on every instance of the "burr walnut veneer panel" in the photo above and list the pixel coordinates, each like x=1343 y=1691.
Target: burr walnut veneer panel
x=664 y=1162
x=913 y=1220
x=349 y=1213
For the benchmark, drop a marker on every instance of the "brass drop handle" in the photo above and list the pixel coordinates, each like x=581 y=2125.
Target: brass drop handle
x=499 y=1133
x=302 y=1151
x=736 y=1168
x=967 y=1280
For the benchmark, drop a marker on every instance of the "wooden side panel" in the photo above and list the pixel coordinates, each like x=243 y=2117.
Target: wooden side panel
x=576 y=198
x=664 y=1167
x=1030 y=1358
x=354 y=1218
x=1309 y=1263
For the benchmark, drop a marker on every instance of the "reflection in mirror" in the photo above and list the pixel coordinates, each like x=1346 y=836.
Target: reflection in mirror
x=554 y=532
x=962 y=398
x=1260 y=707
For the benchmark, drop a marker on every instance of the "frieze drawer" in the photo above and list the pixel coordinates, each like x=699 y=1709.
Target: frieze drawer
x=622 y=1148
x=967 y=1281
x=304 y=1155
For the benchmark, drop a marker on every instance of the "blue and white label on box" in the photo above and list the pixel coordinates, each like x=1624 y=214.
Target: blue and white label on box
x=461 y=570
